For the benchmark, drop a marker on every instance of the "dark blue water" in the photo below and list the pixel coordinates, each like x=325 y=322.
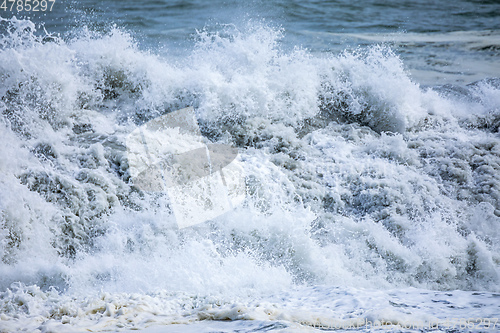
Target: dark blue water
x=156 y=18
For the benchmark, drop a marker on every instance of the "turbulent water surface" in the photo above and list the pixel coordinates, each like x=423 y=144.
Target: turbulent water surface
x=369 y=136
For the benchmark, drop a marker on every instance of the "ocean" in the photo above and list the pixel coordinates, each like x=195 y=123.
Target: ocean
x=250 y=166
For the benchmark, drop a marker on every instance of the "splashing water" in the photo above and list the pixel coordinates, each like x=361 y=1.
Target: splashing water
x=356 y=177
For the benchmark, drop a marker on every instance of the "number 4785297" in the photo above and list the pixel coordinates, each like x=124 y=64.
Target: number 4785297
x=27 y=5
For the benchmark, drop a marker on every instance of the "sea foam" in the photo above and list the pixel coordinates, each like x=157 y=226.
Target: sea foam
x=356 y=177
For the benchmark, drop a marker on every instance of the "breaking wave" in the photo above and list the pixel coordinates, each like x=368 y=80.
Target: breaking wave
x=355 y=175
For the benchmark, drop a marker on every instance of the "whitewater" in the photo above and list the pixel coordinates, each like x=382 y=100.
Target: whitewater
x=372 y=203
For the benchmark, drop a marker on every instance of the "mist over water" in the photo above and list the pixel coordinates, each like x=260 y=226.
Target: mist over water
x=370 y=194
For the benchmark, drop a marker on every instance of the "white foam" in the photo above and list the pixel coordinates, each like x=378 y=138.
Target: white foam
x=356 y=177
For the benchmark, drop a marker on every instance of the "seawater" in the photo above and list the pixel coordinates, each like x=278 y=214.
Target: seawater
x=369 y=136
